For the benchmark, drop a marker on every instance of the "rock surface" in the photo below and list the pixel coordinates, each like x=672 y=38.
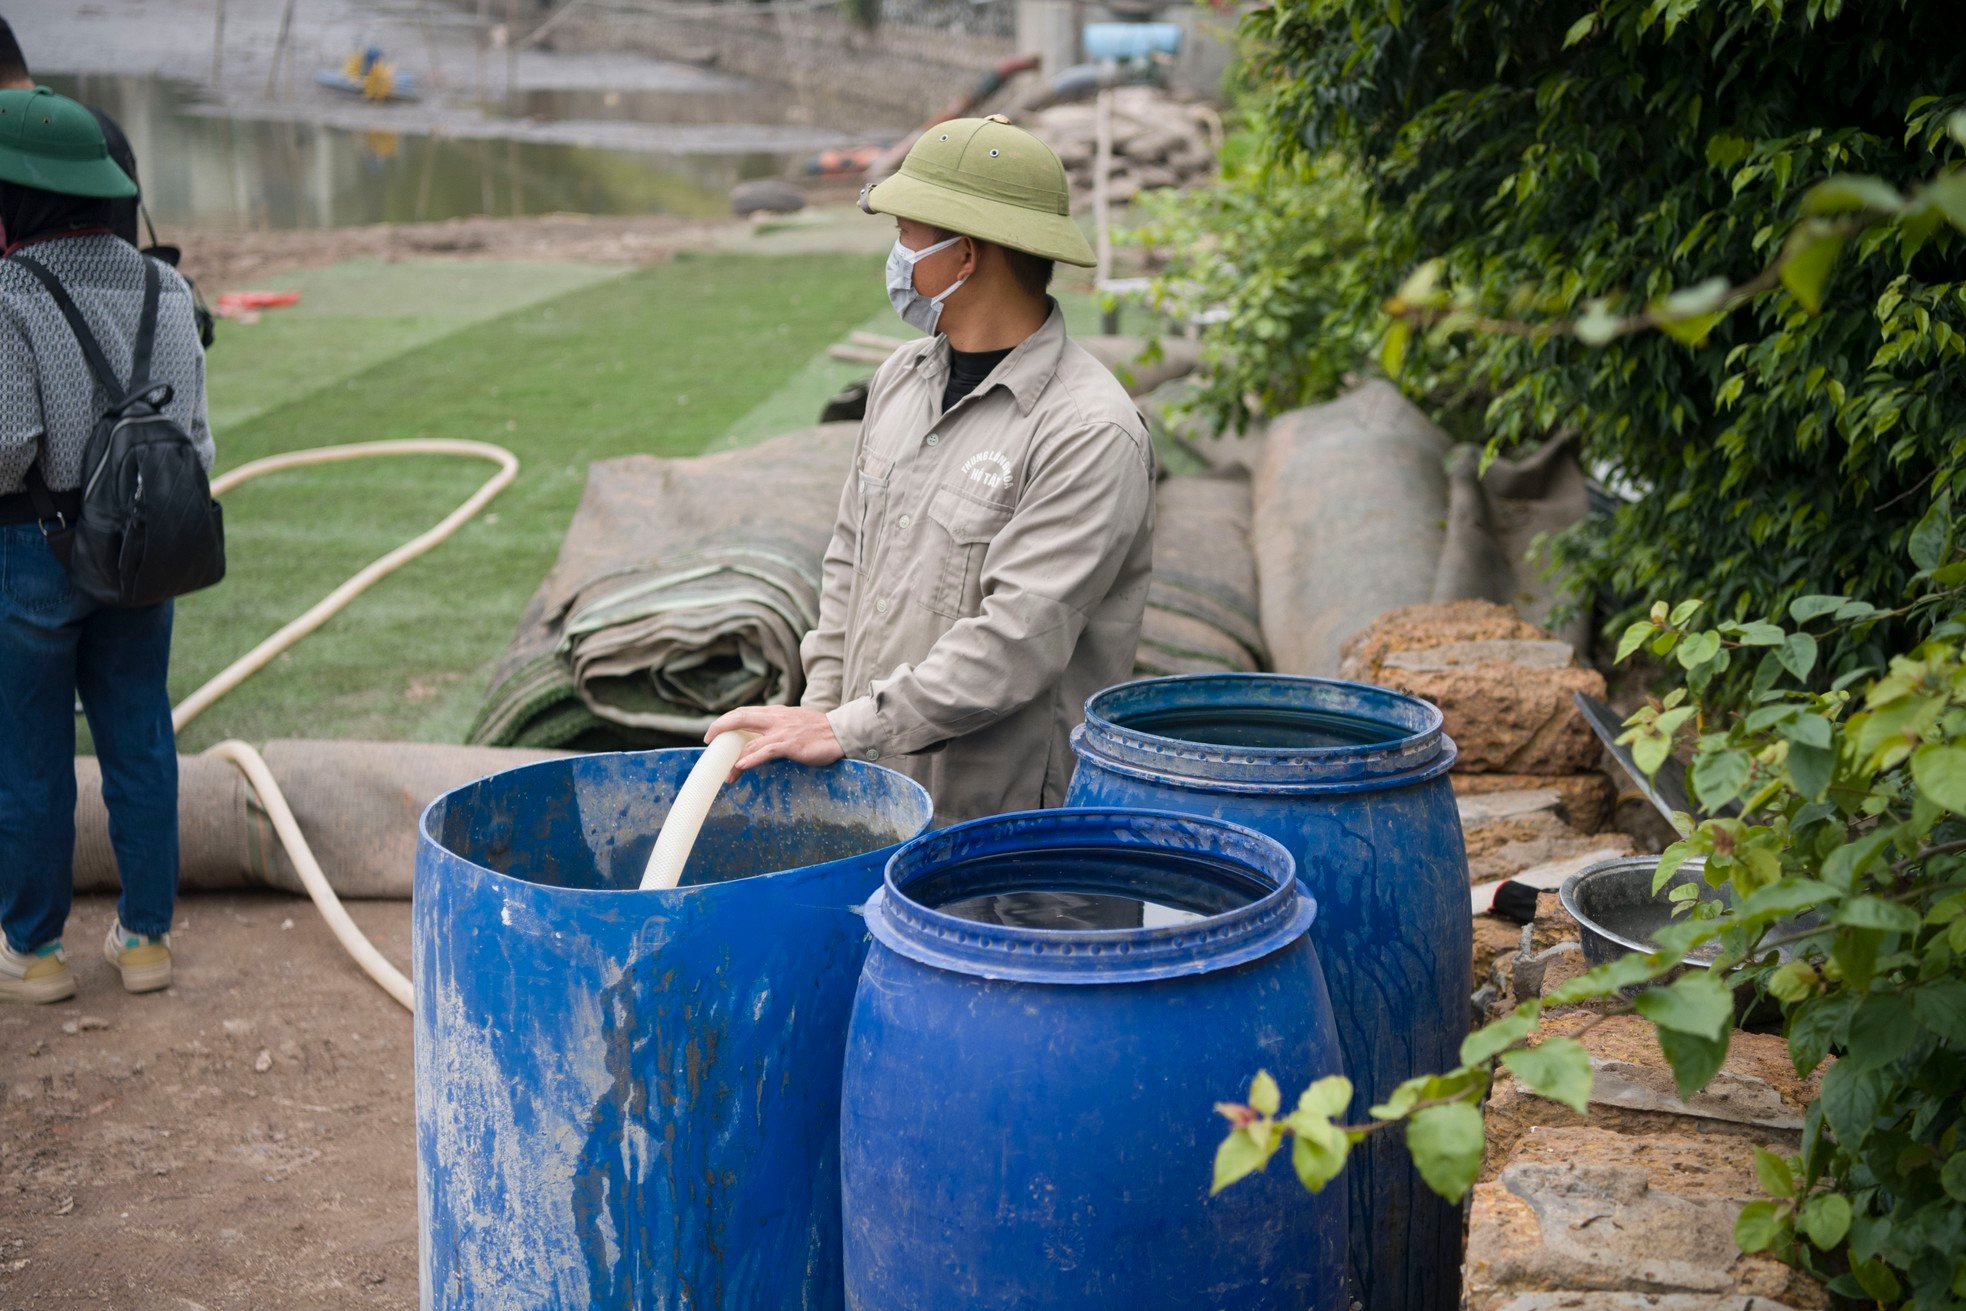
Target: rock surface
x=1632 y=1208
x=1587 y=801
x=1503 y=685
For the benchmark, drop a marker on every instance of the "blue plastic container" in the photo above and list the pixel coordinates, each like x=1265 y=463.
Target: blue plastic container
x=1027 y=1112
x=1353 y=780
x=631 y=1099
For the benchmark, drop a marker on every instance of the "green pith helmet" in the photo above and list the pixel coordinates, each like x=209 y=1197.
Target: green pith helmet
x=49 y=141
x=986 y=179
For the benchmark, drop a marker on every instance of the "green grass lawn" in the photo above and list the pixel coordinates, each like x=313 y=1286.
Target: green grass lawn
x=664 y=360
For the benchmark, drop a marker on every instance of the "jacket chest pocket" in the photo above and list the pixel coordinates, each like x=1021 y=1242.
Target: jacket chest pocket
x=963 y=528
x=871 y=477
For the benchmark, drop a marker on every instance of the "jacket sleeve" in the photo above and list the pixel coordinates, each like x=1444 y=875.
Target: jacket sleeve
x=823 y=650
x=21 y=422
x=1055 y=559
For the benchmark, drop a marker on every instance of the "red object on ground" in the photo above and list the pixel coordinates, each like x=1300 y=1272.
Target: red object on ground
x=246 y=305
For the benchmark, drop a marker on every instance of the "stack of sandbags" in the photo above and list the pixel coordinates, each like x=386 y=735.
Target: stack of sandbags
x=1528 y=767
x=1159 y=140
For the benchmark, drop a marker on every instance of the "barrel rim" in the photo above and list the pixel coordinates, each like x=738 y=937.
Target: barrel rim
x=1093 y=956
x=1422 y=752
x=429 y=840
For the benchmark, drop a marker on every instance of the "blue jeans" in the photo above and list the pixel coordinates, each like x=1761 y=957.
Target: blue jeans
x=55 y=643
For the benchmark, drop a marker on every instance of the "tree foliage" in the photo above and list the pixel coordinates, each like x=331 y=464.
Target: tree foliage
x=1583 y=162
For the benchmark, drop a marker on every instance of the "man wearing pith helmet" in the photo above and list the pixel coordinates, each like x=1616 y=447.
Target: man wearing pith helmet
x=990 y=562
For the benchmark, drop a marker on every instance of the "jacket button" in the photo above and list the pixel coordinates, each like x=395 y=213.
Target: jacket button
x=880 y=606
x=930 y=440
x=873 y=753
x=906 y=520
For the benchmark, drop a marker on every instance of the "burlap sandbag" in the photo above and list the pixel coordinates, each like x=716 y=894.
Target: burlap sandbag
x=357 y=804
x=1201 y=604
x=1350 y=498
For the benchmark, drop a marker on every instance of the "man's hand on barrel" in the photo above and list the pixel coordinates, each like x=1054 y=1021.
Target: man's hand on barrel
x=784 y=732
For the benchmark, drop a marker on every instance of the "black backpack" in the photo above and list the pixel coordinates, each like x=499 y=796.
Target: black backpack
x=148 y=529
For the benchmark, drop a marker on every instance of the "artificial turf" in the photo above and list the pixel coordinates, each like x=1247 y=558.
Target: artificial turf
x=664 y=360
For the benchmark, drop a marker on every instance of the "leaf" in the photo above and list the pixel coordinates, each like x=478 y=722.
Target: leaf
x=1811 y=769
x=1789 y=897
x=1941 y=1007
x=1846 y=193
x=1868 y=912
x=1650 y=751
x=1598 y=326
x=1774 y=1174
x=1635 y=636
x=1931 y=539
x=1798 y=655
x=1699 y=648
x=1756 y=1228
x=1319 y=1155
x=1807 y=267
x=1814 y=606
x=1719 y=776
x=1953 y=1177
x=1264 y=1094
x=1237 y=1158
x=1696 y=1003
x=1392 y=351
x=1694 y=1059
x=1940 y=772
x=1851 y=1097
x=1446 y=1143
x=1579 y=30
x=1825 y=1219
x=1329 y=1096
x=1505 y=1032
x=1759 y=634
x=1558 y=1068
x=1690 y=331
x=1683 y=611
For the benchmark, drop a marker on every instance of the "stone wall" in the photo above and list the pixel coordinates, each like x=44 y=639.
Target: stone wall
x=909 y=72
x=1632 y=1208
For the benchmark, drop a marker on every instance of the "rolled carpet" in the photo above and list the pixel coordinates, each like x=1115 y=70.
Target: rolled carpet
x=682 y=590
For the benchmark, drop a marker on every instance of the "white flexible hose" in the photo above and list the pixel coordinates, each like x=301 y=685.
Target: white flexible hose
x=373 y=962
x=248 y=760
x=691 y=806
x=260 y=656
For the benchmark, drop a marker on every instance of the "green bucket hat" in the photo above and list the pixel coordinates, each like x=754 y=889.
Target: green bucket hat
x=986 y=179
x=49 y=141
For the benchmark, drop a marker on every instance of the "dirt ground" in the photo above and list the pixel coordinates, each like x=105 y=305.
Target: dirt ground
x=245 y=1139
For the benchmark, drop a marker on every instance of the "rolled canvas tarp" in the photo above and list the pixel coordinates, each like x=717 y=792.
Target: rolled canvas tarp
x=1350 y=509
x=357 y=803
x=682 y=590
x=1201 y=613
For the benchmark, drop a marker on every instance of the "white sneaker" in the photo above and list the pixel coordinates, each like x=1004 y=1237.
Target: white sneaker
x=42 y=975
x=143 y=961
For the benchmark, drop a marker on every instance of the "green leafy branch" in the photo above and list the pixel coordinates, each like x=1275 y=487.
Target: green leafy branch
x=1838 y=890
x=1834 y=212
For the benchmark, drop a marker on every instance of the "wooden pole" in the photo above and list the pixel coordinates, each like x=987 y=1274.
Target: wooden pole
x=218 y=41
x=279 y=47
x=1102 y=214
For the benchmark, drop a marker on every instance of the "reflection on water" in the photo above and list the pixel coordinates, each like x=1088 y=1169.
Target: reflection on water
x=216 y=172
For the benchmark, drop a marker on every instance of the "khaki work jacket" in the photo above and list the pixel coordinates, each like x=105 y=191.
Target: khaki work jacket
x=987 y=572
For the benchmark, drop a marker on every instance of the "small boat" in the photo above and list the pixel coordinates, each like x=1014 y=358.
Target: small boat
x=367 y=74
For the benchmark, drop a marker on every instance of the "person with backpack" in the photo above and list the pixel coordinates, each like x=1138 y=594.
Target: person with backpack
x=105 y=514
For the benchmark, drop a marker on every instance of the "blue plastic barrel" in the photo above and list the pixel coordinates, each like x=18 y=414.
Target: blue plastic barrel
x=631 y=1099
x=1054 y=1001
x=1353 y=780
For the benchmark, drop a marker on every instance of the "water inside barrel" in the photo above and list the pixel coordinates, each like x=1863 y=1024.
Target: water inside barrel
x=1263 y=727
x=1089 y=888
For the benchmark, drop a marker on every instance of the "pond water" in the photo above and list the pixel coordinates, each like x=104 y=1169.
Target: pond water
x=317 y=161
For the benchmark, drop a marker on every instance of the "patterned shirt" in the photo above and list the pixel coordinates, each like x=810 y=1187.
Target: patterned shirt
x=45 y=386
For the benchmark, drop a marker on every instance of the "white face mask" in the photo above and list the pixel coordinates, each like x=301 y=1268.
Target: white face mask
x=915 y=309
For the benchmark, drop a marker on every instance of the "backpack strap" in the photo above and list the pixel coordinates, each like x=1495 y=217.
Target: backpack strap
x=146 y=330
x=91 y=349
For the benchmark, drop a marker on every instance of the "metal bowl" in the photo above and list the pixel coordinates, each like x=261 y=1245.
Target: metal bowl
x=1617 y=911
